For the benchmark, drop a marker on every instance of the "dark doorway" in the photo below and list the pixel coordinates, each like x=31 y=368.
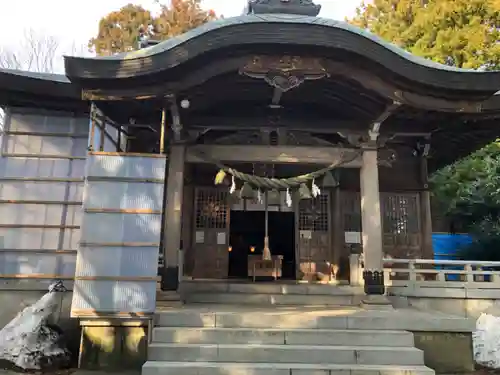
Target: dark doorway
x=247 y=229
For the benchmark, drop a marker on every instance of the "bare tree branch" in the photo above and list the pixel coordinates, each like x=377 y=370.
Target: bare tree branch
x=35 y=52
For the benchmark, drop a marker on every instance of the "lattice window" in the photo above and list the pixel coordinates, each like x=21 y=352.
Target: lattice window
x=211 y=209
x=401 y=225
x=313 y=213
x=351 y=210
x=400 y=213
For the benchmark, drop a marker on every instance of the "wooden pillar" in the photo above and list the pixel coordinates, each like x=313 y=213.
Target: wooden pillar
x=92 y=127
x=173 y=217
x=373 y=273
x=338 y=231
x=425 y=212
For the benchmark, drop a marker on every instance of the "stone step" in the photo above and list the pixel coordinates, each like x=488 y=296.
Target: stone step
x=189 y=287
x=283 y=337
x=311 y=354
x=273 y=299
x=211 y=368
x=348 y=318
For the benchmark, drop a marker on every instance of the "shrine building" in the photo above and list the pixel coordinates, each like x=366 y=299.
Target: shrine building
x=272 y=146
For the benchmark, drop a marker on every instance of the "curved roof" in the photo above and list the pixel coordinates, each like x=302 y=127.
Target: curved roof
x=286 y=31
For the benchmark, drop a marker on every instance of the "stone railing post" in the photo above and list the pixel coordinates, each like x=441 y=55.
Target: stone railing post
x=412 y=274
x=469 y=276
x=355 y=270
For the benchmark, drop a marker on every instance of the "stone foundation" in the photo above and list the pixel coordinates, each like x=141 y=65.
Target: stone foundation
x=446 y=352
x=113 y=345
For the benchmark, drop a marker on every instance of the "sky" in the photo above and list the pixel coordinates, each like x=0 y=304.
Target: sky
x=47 y=17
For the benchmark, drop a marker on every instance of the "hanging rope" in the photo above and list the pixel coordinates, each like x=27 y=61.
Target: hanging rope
x=275 y=183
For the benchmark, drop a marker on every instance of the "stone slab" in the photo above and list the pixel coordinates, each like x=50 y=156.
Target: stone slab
x=190 y=287
x=282 y=336
x=314 y=317
x=274 y=299
x=208 y=368
x=312 y=354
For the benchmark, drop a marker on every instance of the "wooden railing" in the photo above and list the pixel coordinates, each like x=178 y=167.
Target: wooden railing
x=432 y=273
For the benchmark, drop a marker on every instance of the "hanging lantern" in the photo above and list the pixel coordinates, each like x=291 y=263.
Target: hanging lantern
x=304 y=192
x=273 y=198
x=252 y=249
x=329 y=181
x=247 y=192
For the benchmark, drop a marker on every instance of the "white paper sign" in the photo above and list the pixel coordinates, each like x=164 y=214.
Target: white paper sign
x=306 y=234
x=352 y=237
x=200 y=236
x=221 y=238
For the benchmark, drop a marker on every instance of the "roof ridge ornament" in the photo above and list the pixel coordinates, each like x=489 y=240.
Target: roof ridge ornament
x=299 y=7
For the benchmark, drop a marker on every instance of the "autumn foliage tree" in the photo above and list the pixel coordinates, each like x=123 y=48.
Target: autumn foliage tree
x=460 y=33
x=119 y=30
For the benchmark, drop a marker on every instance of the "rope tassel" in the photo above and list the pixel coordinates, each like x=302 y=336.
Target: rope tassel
x=288 y=198
x=233 y=186
x=315 y=189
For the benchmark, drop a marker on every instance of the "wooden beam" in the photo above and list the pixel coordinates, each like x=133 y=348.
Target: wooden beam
x=275 y=154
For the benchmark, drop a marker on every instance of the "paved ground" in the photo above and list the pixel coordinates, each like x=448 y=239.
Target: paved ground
x=73 y=372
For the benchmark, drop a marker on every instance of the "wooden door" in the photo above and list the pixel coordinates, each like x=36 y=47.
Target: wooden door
x=314 y=239
x=211 y=233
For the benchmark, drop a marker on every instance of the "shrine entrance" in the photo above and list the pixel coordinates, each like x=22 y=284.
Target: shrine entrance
x=246 y=240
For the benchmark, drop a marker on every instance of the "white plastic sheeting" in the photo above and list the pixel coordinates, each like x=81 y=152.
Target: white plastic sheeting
x=29 y=342
x=486 y=341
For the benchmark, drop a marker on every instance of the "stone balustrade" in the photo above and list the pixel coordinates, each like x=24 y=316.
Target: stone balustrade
x=412 y=273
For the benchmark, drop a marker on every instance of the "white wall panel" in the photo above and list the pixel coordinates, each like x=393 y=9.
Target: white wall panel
x=39 y=238
x=39 y=214
x=41 y=191
x=44 y=124
x=24 y=247
x=44 y=145
x=126 y=167
x=101 y=229
x=107 y=227
x=37 y=263
x=13 y=167
x=114 y=296
x=117 y=261
x=117 y=195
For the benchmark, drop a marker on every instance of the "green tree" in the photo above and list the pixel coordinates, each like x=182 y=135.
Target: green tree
x=119 y=31
x=464 y=34
x=461 y=33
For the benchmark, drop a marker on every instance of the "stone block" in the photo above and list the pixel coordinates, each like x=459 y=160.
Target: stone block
x=113 y=346
x=218 y=336
x=349 y=338
x=446 y=352
x=185 y=319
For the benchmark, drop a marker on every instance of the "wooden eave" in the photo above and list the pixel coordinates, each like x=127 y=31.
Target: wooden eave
x=49 y=91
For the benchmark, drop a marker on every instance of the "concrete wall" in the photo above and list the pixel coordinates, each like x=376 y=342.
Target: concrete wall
x=462 y=302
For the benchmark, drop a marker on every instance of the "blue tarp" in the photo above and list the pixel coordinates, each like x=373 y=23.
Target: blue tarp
x=446 y=246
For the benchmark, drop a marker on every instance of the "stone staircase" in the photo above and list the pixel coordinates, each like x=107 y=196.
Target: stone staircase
x=282 y=341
